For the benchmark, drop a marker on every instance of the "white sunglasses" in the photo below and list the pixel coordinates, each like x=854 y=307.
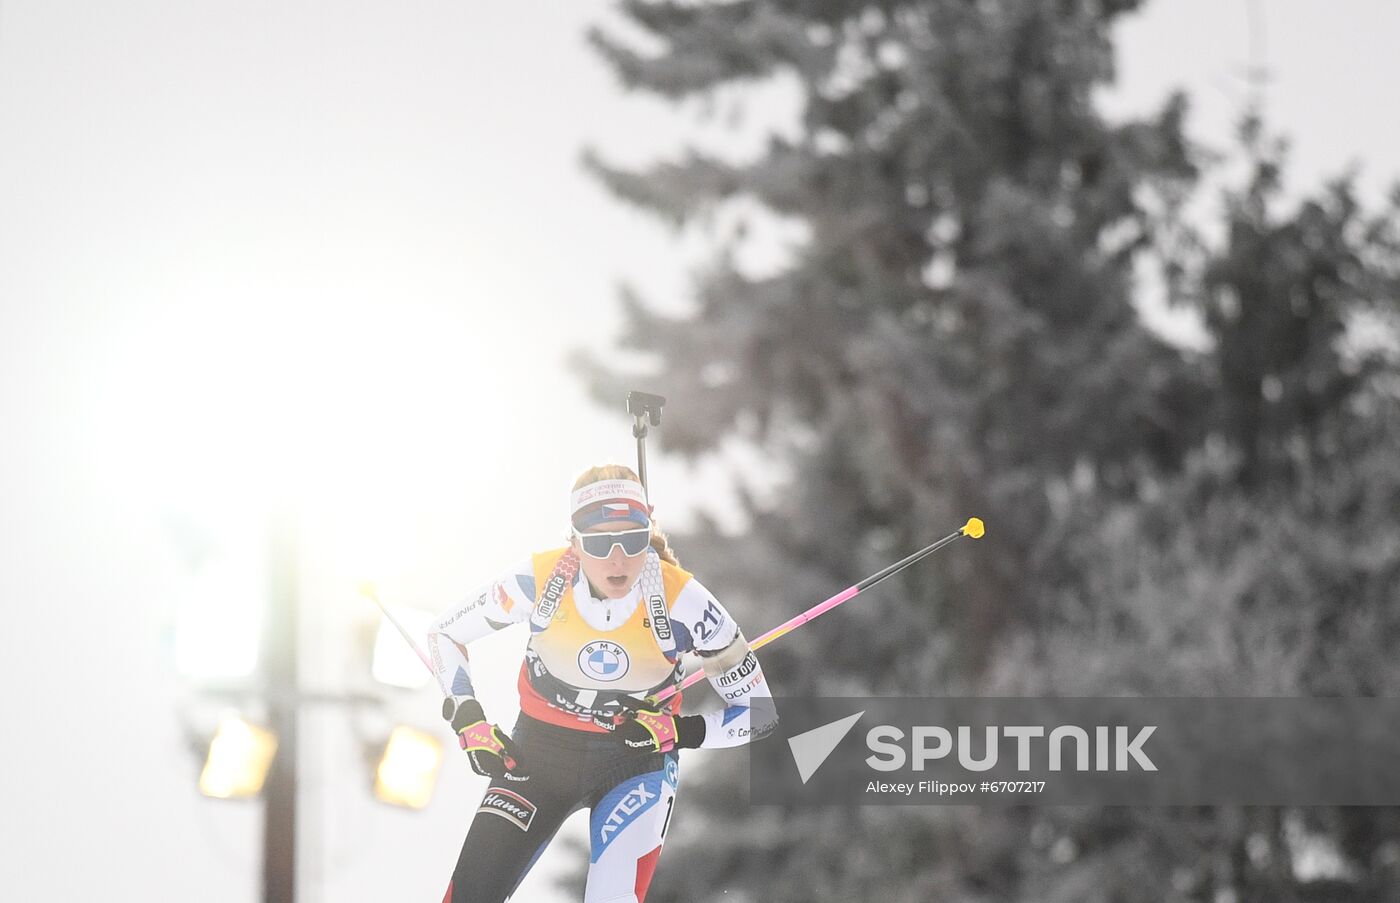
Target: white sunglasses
x=600 y=545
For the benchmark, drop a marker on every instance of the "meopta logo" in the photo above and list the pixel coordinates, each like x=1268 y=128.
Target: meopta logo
x=739 y=671
x=636 y=800
x=511 y=806
x=657 y=606
x=549 y=602
x=603 y=660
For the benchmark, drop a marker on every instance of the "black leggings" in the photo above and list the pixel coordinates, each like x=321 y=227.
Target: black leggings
x=630 y=794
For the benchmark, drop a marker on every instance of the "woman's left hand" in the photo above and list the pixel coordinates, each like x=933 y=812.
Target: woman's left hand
x=656 y=731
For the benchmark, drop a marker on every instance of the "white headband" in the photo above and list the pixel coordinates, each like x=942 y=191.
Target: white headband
x=629 y=490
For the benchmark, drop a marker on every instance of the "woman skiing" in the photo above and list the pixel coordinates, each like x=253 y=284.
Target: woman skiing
x=610 y=616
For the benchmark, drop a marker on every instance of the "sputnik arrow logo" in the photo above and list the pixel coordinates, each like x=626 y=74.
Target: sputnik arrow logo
x=811 y=748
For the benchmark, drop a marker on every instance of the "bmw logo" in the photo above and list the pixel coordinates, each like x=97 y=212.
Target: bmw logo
x=602 y=660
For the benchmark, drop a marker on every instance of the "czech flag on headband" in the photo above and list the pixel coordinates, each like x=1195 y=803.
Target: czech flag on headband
x=616 y=510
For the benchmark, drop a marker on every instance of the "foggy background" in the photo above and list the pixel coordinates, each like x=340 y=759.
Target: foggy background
x=336 y=258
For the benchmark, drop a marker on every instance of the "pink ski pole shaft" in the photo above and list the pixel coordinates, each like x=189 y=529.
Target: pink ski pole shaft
x=973 y=528
x=369 y=591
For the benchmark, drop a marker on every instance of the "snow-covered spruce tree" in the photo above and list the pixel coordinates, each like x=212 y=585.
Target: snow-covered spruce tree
x=955 y=337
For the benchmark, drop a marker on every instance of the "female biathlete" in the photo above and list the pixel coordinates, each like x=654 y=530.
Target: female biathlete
x=610 y=615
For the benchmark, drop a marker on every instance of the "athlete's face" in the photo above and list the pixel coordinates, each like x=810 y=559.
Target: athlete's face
x=614 y=575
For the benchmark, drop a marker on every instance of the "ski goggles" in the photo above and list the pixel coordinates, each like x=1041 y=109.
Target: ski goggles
x=600 y=545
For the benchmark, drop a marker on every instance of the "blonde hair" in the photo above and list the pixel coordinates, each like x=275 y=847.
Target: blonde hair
x=659 y=542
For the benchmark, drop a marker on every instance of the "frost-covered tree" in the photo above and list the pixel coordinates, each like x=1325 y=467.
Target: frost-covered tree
x=956 y=335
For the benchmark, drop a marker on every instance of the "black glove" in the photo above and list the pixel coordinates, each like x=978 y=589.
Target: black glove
x=655 y=731
x=490 y=750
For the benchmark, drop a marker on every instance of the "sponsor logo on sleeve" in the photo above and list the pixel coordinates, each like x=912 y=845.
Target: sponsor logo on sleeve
x=464 y=611
x=739 y=671
x=742 y=691
x=513 y=807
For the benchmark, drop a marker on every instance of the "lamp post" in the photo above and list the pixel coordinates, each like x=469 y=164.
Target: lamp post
x=251 y=674
x=281 y=641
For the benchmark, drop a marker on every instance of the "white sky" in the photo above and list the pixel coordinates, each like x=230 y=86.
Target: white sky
x=333 y=253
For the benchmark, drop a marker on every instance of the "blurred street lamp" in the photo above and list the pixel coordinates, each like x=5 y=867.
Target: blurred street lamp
x=239 y=757
x=408 y=769
x=238 y=641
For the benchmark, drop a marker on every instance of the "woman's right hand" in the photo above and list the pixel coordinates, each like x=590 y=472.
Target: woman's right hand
x=490 y=750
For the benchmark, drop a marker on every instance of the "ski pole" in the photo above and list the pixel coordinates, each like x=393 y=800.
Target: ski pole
x=973 y=528
x=645 y=409
x=369 y=591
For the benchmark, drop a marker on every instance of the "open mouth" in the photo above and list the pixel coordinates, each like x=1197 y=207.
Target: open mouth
x=618 y=582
